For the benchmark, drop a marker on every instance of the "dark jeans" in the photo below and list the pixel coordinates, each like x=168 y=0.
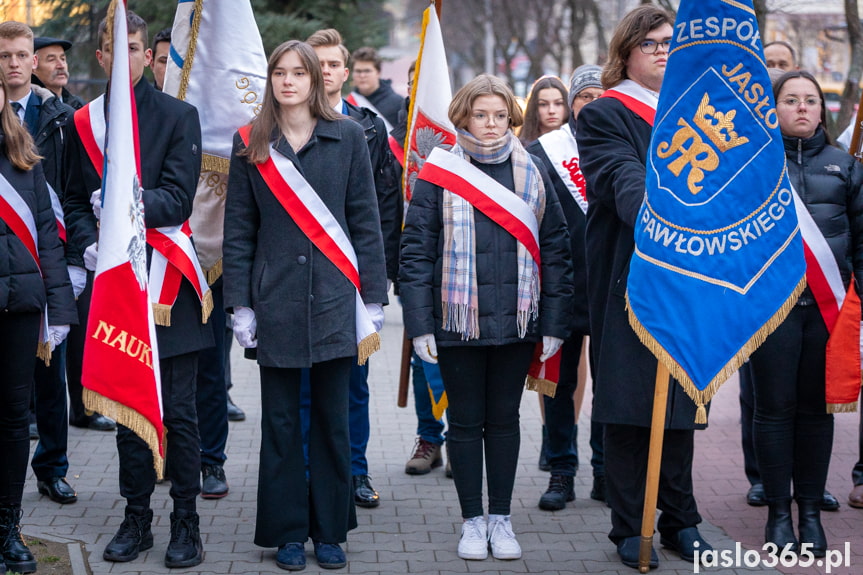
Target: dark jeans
x=52 y=417
x=793 y=432
x=137 y=476
x=290 y=507
x=747 y=412
x=19 y=337
x=857 y=473
x=212 y=393
x=597 y=431
x=75 y=353
x=626 y=451
x=484 y=386
x=428 y=428
x=560 y=412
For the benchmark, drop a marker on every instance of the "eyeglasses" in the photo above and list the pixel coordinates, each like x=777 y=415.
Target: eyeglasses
x=481 y=119
x=586 y=96
x=810 y=102
x=651 y=46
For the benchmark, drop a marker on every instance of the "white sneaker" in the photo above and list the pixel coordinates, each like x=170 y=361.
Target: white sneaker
x=502 y=539
x=474 y=539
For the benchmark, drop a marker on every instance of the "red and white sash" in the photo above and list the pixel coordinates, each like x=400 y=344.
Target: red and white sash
x=58 y=214
x=840 y=309
x=312 y=216
x=636 y=98
x=562 y=150
x=396 y=147
x=174 y=254
x=18 y=217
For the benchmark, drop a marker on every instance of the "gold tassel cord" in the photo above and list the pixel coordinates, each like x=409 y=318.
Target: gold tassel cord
x=162 y=314
x=190 y=51
x=43 y=352
x=128 y=417
x=210 y=163
x=109 y=23
x=702 y=397
x=214 y=272
x=207 y=306
x=369 y=345
x=540 y=385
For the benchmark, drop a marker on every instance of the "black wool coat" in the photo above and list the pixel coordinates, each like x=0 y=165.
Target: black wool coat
x=304 y=306
x=496 y=252
x=170 y=141
x=23 y=289
x=613 y=144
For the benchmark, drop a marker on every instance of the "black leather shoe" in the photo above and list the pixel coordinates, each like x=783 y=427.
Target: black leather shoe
x=780 y=527
x=685 y=542
x=755 y=496
x=132 y=537
x=234 y=412
x=58 y=489
x=364 y=494
x=628 y=551
x=185 y=548
x=96 y=422
x=13 y=552
x=810 y=528
x=560 y=490
x=828 y=502
x=214 y=484
x=597 y=493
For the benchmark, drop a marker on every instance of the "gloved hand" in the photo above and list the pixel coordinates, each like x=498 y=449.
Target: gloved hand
x=91 y=254
x=550 y=345
x=56 y=334
x=389 y=285
x=96 y=202
x=78 y=276
x=245 y=327
x=426 y=347
x=376 y=312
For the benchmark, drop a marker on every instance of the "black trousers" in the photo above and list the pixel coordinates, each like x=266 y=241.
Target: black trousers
x=793 y=431
x=19 y=337
x=75 y=353
x=52 y=417
x=137 y=476
x=292 y=508
x=747 y=426
x=560 y=412
x=626 y=450
x=212 y=393
x=484 y=386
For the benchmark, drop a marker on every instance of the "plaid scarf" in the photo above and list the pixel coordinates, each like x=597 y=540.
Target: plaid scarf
x=458 y=281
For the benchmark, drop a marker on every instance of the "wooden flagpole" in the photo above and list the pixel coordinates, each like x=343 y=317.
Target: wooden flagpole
x=654 y=461
x=407 y=344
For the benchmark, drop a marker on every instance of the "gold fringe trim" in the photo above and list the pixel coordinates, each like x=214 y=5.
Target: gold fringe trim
x=43 y=352
x=210 y=163
x=703 y=396
x=207 y=306
x=841 y=407
x=214 y=272
x=539 y=385
x=162 y=314
x=190 y=50
x=369 y=345
x=109 y=25
x=128 y=417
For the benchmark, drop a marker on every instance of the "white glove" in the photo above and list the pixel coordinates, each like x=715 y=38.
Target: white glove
x=91 y=254
x=550 y=345
x=389 y=285
x=426 y=348
x=96 y=202
x=376 y=313
x=56 y=334
x=78 y=276
x=245 y=327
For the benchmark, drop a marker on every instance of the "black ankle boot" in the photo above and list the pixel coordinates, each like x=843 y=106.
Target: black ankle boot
x=810 y=529
x=185 y=548
x=780 y=527
x=14 y=552
x=132 y=537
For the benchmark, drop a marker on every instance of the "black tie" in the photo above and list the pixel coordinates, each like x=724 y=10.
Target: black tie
x=17 y=107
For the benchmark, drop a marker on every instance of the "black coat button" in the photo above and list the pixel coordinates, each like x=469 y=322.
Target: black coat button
x=301 y=260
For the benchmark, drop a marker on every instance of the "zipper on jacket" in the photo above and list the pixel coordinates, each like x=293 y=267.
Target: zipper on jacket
x=800 y=151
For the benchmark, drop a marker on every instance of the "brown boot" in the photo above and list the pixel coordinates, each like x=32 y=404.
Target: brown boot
x=426 y=457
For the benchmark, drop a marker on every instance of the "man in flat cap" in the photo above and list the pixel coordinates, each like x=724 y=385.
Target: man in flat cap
x=51 y=70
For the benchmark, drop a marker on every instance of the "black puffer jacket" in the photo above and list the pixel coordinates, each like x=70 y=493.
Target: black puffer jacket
x=22 y=288
x=829 y=182
x=496 y=268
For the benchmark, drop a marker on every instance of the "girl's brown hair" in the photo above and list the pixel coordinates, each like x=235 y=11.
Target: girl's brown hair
x=267 y=120
x=780 y=81
x=483 y=85
x=631 y=32
x=532 y=128
x=17 y=143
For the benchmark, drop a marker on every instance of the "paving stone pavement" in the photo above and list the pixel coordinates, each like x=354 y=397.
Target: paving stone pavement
x=416 y=527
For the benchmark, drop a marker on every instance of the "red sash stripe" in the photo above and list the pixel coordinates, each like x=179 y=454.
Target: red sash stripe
x=85 y=132
x=11 y=218
x=639 y=108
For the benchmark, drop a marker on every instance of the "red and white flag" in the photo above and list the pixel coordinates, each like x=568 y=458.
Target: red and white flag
x=121 y=360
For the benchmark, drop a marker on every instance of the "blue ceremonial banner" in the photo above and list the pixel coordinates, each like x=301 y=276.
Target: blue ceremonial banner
x=718 y=260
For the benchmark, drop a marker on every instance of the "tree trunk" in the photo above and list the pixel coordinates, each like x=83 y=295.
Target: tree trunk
x=761 y=15
x=851 y=93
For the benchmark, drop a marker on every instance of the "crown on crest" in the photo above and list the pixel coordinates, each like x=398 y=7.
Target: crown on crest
x=718 y=126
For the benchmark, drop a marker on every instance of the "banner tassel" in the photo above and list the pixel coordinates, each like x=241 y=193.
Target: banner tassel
x=43 y=352
x=539 y=385
x=162 y=314
x=206 y=307
x=367 y=347
x=841 y=407
x=214 y=272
